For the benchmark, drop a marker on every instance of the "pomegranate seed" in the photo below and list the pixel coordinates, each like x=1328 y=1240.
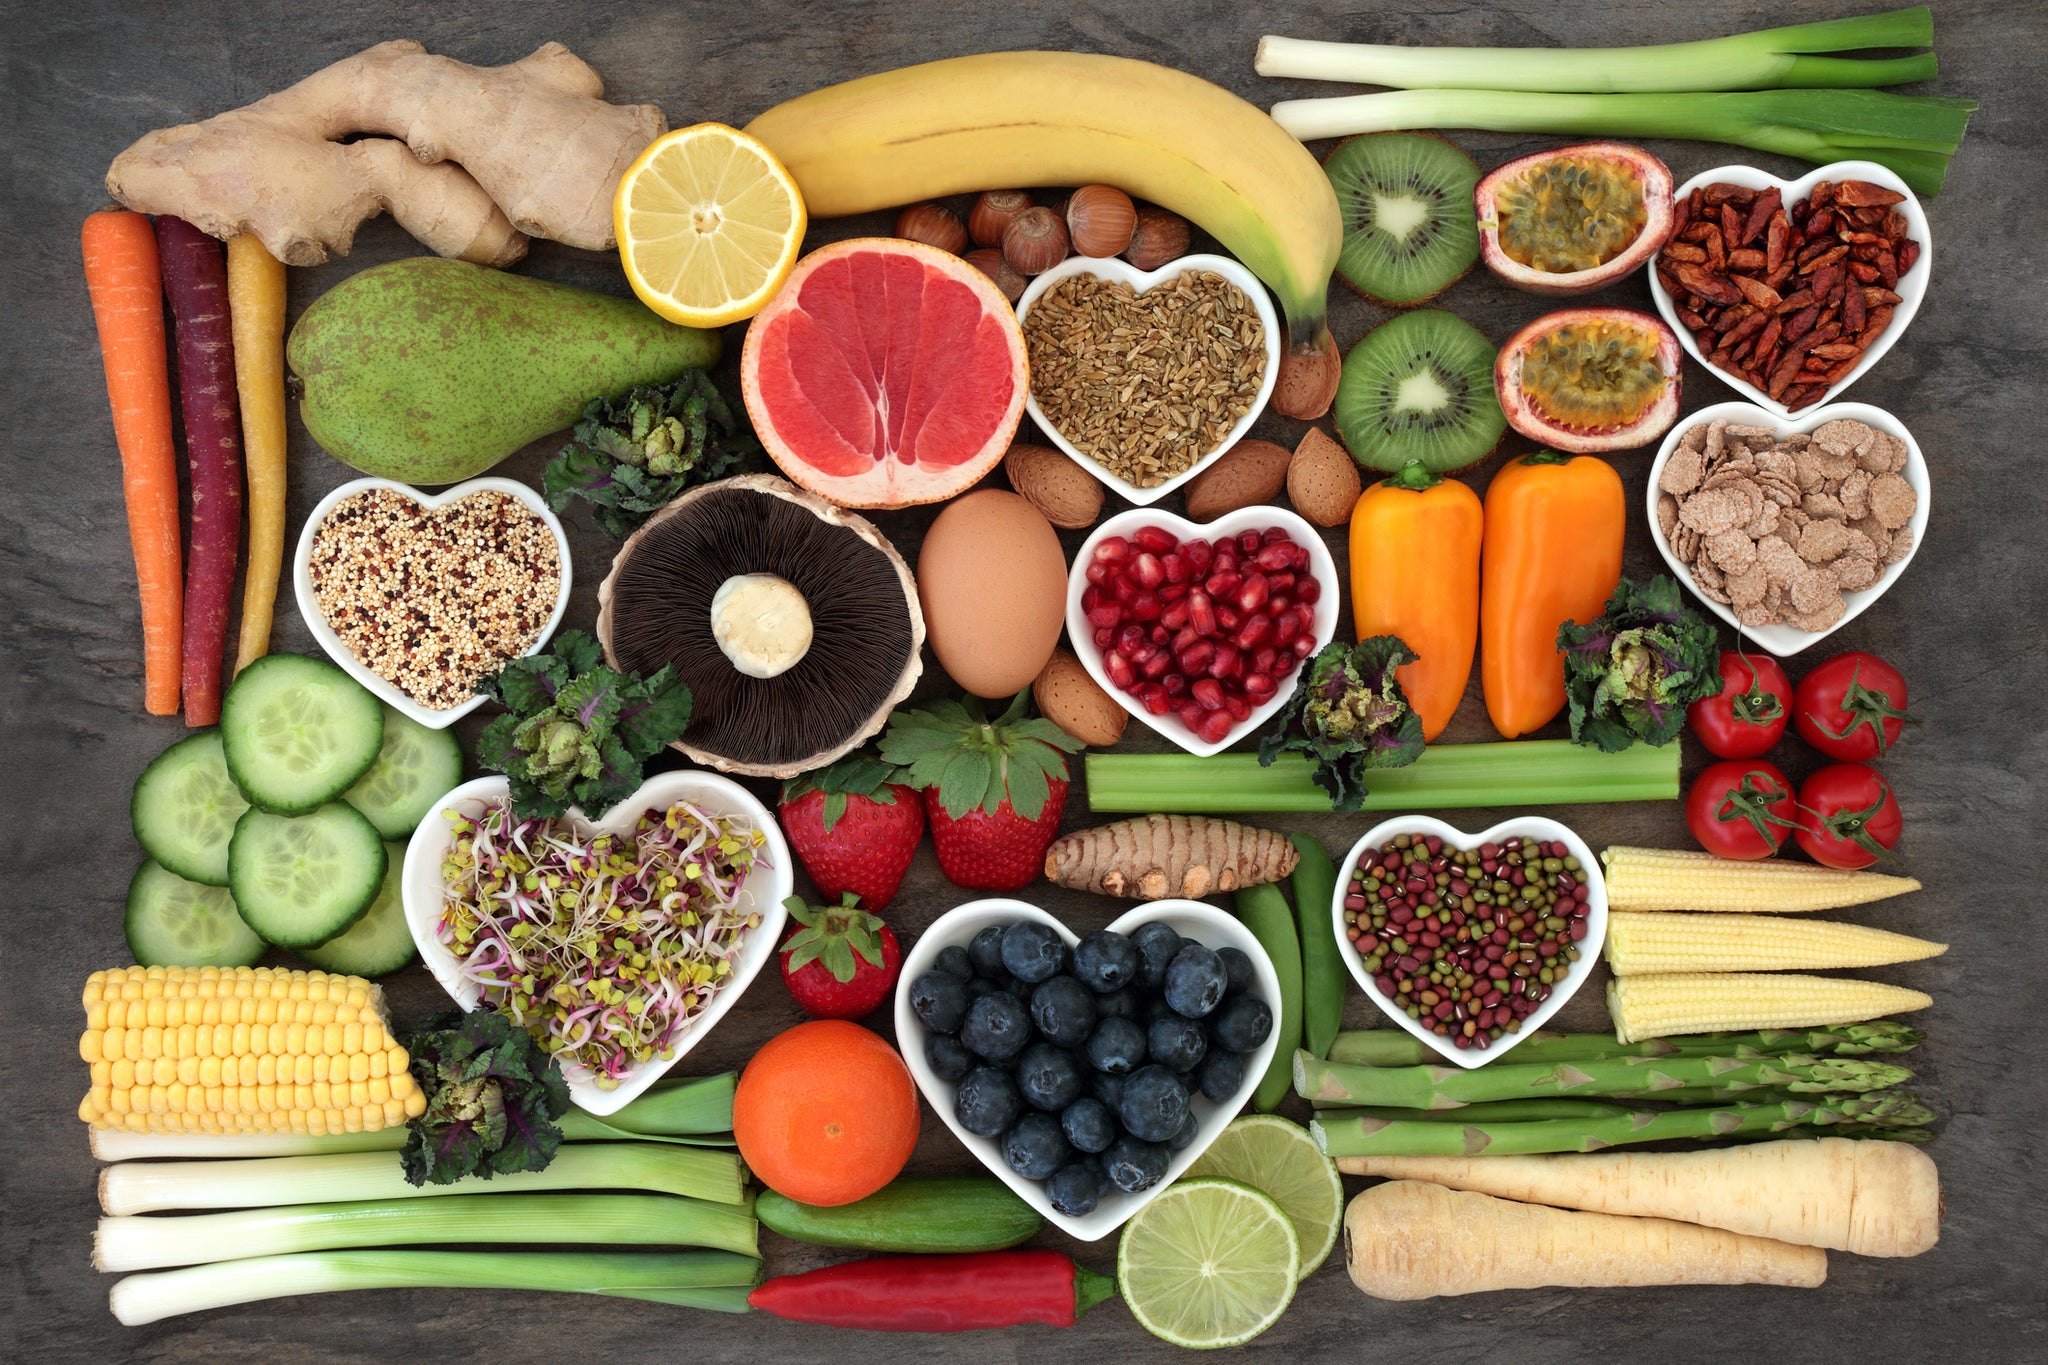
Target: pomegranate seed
x=1155 y=699
x=1252 y=595
x=1222 y=583
x=1097 y=572
x=1176 y=567
x=1124 y=589
x=1145 y=606
x=1227 y=663
x=1253 y=633
x=1155 y=663
x=1248 y=542
x=1304 y=645
x=1209 y=693
x=1106 y=616
x=1258 y=686
x=1130 y=637
x=1157 y=539
x=1174 y=615
x=1201 y=615
x=1240 y=709
x=1276 y=555
x=1091 y=598
x=1191 y=714
x=1215 y=727
x=1277 y=583
x=1199 y=556
x=1196 y=657
x=1174 y=683
x=1285 y=628
x=1172 y=592
x=1160 y=635
x=1144 y=651
x=1187 y=636
x=1119 y=670
x=1275 y=534
x=1307 y=616
x=1105 y=638
x=1114 y=548
x=1300 y=557
x=1307 y=589
x=1264 y=658
x=1228 y=619
x=1149 y=570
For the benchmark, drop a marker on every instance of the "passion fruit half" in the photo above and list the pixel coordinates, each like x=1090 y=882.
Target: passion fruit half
x=1588 y=380
x=1575 y=219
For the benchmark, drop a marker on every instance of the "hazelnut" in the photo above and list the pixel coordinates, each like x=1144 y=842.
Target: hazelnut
x=992 y=213
x=934 y=225
x=1157 y=237
x=1035 y=241
x=990 y=262
x=1100 y=220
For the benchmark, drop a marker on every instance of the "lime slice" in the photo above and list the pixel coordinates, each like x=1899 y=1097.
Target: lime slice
x=1281 y=1161
x=1208 y=1263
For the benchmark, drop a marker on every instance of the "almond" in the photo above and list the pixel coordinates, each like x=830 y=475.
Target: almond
x=1322 y=479
x=1247 y=474
x=1064 y=493
x=1071 y=699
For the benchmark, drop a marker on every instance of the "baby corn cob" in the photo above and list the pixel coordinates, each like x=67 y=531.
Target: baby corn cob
x=1638 y=944
x=1707 y=1002
x=1678 y=879
x=241 y=1050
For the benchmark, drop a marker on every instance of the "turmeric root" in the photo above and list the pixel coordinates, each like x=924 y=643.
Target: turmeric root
x=1155 y=856
x=482 y=158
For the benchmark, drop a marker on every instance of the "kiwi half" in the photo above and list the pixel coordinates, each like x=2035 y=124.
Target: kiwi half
x=1420 y=387
x=1410 y=230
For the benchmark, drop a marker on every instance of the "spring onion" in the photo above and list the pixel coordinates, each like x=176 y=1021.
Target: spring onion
x=715 y=1280
x=1770 y=59
x=1523 y=772
x=135 y=1243
x=149 y=1186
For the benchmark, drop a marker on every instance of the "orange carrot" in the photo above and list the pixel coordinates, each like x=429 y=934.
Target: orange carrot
x=126 y=284
x=256 y=305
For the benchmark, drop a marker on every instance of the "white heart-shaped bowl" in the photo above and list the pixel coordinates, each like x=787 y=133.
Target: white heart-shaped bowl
x=1081 y=635
x=316 y=619
x=1912 y=285
x=1109 y=268
x=1529 y=827
x=421 y=888
x=1781 y=640
x=1205 y=924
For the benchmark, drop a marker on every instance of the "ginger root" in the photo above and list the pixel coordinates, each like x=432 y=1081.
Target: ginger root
x=1155 y=856
x=482 y=158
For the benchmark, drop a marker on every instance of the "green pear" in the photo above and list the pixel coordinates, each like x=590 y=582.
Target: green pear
x=429 y=371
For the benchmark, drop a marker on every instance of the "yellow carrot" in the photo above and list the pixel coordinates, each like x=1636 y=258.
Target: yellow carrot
x=256 y=303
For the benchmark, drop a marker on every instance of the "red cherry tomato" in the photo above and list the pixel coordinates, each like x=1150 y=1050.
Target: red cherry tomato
x=1748 y=717
x=1852 y=707
x=1851 y=817
x=1742 y=808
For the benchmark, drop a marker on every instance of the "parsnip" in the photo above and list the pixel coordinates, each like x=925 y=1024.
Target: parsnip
x=1408 y=1239
x=1873 y=1198
x=1155 y=856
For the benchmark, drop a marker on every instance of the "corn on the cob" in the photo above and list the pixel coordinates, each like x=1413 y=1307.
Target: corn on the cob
x=241 y=1050
x=1709 y=1002
x=1639 y=944
x=1679 y=879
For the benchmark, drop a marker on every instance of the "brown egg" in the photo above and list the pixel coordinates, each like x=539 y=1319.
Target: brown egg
x=993 y=585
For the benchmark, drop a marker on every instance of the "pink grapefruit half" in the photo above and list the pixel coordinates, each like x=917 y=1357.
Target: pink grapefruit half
x=885 y=373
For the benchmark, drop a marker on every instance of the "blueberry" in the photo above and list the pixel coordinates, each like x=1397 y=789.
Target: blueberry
x=1183 y=1135
x=1195 y=981
x=1121 y=1004
x=1063 y=1011
x=986 y=1102
x=1158 y=1009
x=1237 y=971
x=1088 y=1124
x=985 y=951
x=1242 y=1024
x=1073 y=1190
x=1157 y=943
x=1018 y=989
x=1117 y=1046
x=949 y=1061
x=997 y=1027
x=1048 y=1077
x=1155 y=1101
x=1032 y=951
x=1222 y=1073
x=1134 y=1165
x=1176 y=1042
x=1035 y=1147
x=1107 y=1088
x=953 y=961
x=939 y=1000
x=1106 y=961
x=979 y=987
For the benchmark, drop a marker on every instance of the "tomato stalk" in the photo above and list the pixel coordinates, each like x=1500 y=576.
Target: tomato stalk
x=1865 y=706
x=1854 y=826
x=1752 y=801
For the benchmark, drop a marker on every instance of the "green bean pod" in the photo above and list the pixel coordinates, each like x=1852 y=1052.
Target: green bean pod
x=1324 y=980
x=1264 y=911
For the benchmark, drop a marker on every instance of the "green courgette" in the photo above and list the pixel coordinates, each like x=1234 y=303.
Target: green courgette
x=1264 y=911
x=1324 y=980
x=910 y=1214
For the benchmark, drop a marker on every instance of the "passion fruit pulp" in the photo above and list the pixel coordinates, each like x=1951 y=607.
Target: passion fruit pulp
x=1587 y=380
x=1575 y=219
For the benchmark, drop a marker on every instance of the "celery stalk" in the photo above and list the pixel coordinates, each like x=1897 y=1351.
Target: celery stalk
x=1523 y=772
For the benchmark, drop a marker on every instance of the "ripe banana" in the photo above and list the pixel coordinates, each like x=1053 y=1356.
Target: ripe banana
x=1009 y=119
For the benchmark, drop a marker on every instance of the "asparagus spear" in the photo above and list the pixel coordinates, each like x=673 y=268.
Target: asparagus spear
x=1391 y=1047
x=1352 y=1137
x=1495 y=1111
x=1440 y=1087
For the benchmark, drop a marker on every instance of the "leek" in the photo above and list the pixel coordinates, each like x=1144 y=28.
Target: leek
x=1770 y=59
x=1910 y=135
x=132 y=1243
x=714 y=1280
x=152 y=1186
x=1523 y=772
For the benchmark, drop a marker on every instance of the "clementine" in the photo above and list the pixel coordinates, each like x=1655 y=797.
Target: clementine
x=826 y=1113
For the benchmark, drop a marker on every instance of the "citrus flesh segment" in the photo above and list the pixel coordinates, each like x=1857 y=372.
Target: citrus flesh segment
x=1280 y=1160
x=709 y=225
x=885 y=373
x=1208 y=1263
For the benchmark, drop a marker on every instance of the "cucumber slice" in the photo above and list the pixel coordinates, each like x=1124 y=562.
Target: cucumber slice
x=300 y=880
x=184 y=809
x=415 y=768
x=174 y=922
x=379 y=943
x=298 y=731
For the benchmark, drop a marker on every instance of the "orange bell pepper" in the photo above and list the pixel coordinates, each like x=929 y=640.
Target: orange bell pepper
x=1415 y=541
x=1553 y=554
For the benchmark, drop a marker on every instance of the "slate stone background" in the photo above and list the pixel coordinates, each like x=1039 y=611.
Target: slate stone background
x=84 y=79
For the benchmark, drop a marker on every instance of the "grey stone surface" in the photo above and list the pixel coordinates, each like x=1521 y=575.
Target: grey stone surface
x=83 y=79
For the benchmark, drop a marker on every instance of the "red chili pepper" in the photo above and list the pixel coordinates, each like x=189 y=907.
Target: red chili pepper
x=957 y=1293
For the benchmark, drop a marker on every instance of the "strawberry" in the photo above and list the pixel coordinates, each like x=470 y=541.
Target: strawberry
x=853 y=828
x=993 y=790
x=841 y=962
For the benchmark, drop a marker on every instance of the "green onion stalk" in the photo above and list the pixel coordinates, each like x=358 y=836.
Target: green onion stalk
x=1441 y=1087
x=1392 y=1047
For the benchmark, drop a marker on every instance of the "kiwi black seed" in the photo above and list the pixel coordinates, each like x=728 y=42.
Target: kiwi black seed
x=1420 y=387
x=1410 y=230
